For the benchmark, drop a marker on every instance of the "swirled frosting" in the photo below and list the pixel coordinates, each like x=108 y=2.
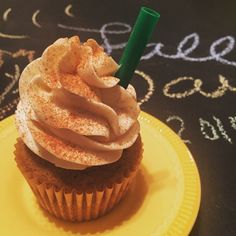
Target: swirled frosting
x=72 y=112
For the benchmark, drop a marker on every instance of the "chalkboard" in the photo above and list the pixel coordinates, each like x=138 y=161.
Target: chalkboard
x=186 y=77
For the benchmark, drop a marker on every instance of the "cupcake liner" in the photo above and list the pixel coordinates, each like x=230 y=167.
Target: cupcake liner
x=84 y=206
x=74 y=204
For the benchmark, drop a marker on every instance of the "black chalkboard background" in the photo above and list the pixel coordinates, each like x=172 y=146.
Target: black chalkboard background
x=208 y=119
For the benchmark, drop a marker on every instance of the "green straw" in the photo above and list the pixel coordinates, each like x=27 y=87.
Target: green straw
x=141 y=33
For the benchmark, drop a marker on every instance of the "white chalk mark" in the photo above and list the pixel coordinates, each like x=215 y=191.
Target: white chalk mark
x=104 y=32
x=197 y=88
x=78 y=28
x=222 y=130
x=182 y=127
x=15 y=91
x=68 y=12
x=185 y=47
x=103 y=28
x=34 y=20
x=232 y=120
x=151 y=87
x=205 y=124
x=5 y=52
x=214 y=55
x=167 y=87
x=233 y=89
x=106 y=43
x=151 y=53
x=9 y=76
x=5 y=14
x=20 y=53
x=12 y=36
x=219 y=92
x=195 y=43
x=14 y=79
x=11 y=105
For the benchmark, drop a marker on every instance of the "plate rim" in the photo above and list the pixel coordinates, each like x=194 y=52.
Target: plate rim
x=185 y=218
x=189 y=208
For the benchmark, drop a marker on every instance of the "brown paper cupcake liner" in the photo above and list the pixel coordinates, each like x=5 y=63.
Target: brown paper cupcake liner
x=84 y=206
x=72 y=204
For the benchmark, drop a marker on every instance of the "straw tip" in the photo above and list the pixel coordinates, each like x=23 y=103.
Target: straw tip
x=150 y=12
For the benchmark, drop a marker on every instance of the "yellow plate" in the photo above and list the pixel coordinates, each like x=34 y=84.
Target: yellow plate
x=164 y=199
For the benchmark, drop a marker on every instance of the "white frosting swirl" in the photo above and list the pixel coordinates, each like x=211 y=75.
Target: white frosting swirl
x=72 y=112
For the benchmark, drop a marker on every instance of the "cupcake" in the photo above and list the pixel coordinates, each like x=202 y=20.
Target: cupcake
x=79 y=146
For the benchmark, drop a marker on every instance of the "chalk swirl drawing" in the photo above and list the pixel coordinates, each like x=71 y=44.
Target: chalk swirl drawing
x=29 y=54
x=184 y=48
x=68 y=11
x=10 y=36
x=209 y=130
x=194 y=37
x=78 y=28
x=182 y=127
x=103 y=31
x=218 y=49
x=168 y=86
x=151 y=87
x=5 y=14
x=222 y=130
x=9 y=107
x=14 y=78
x=232 y=120
x=197 y=88
x=187 y=46
x=34 y=19
x=206 y=126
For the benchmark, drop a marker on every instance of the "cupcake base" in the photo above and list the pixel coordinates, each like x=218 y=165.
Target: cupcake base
x=78 y=195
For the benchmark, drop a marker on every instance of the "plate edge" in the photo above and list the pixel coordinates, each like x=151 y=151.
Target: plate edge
x=180 y=225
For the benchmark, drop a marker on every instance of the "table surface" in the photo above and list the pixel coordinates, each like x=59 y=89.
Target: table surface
x=186 y=76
